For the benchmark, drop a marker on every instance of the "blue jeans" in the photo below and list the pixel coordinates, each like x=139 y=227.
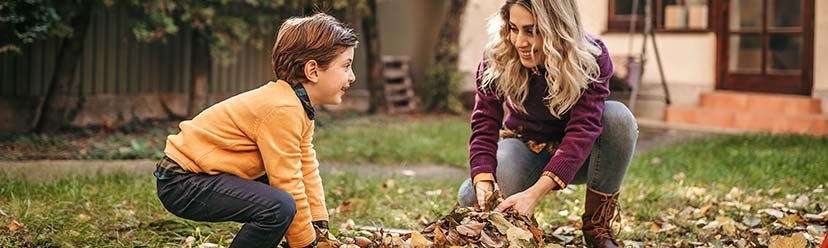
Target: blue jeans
x=518 y=168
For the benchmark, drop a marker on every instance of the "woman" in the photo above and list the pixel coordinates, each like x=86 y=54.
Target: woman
x=249 y=158
x=559 y=128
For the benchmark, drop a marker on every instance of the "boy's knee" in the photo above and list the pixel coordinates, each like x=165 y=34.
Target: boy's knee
x=281 y=208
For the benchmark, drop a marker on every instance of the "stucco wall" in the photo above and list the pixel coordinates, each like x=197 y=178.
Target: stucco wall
x=689 y=59
x=821 y=52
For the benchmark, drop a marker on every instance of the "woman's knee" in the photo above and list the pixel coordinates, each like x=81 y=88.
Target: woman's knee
x=618 y=117
x=466 y=194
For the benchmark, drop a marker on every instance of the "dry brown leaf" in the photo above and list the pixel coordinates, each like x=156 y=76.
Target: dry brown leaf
x=344 y=208
x=347 y=225
x=515 y=234
x=470 y=228
x=439 y=236
x=537 y=233
x=362 y=241
x=418 y=241
x=663 y=228
x=490 y=240
x=14 y=225
x=797 y=240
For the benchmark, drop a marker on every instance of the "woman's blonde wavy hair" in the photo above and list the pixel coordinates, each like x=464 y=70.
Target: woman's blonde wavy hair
x=570 y=55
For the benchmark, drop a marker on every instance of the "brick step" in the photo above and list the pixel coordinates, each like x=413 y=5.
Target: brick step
x=760 y=102
x=814 y=124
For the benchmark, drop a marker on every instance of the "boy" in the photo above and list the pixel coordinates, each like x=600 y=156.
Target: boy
x=249 y=158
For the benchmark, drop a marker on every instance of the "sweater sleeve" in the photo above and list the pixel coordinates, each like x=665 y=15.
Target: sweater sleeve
x=584 y=125
x=280 y=142
x=486 y=120
x=313 y=182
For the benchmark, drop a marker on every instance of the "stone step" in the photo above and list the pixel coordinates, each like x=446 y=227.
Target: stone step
x=761 y=102
x=813 y=124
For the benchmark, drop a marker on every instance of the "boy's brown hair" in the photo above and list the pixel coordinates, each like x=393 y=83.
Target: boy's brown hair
x=318 y=37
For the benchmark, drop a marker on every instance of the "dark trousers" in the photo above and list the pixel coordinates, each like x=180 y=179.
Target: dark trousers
x=265 y=211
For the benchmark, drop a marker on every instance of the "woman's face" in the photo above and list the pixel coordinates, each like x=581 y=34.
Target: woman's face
x=522 y=36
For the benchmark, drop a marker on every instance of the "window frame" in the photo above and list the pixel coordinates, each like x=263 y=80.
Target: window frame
x=621 y=23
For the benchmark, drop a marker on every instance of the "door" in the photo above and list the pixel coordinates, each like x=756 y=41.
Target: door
x=766 y=46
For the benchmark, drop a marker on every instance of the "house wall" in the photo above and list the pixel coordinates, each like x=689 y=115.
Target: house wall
x=821 y=52
x=689 y=59
x=410 y=28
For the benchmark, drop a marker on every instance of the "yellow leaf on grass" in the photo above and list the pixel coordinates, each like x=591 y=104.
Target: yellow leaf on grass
x=84 y=217
x=791 y=220
x=797 y=240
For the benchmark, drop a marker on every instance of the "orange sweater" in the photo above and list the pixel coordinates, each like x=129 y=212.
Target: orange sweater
x=264 y=130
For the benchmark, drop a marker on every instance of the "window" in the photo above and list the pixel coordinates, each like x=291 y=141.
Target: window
x=668 y=15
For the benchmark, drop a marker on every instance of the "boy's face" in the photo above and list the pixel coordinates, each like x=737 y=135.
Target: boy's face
x=336 y=79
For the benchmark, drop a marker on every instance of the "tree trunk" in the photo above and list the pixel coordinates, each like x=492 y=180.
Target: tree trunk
x=375 y=80
x=200 y=61
x=52 y=110
x=446 y=57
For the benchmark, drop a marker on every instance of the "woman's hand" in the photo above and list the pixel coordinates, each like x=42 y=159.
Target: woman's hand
x=481 y=189
x=523 y=202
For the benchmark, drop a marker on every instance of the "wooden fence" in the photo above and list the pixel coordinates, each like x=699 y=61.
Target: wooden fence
x=114 y=63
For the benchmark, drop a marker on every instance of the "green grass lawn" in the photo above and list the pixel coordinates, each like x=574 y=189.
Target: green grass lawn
x=388 y=140
x=721 y=178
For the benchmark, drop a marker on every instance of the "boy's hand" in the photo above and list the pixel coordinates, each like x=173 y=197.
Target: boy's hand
x=323 y=235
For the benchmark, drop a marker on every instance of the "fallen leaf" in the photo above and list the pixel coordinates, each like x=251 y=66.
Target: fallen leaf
x=663 y=228
x=188 y=242
x=772 y=212
x=515 y=234
x=813 y=217
x=500 y=223
x=362 y=241
x=347 y=225
x=439 y=236
x=797 y=240
x=470 y=228
x=751 y=220
x=14 y=225
x=490 y=240
x=84 y=217
x=791 y=220
x=389 y=183
x=209 y=245
x=2 y=213
x=434 y=192
x=537 y=233
x=816 y=230
x=344 y=208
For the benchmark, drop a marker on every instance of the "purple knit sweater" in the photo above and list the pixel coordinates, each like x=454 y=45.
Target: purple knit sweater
x=576 y=130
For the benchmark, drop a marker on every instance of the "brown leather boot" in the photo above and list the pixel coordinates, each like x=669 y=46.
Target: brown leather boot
x=599 y=213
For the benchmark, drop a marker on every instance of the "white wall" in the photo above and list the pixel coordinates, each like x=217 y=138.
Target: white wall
x=689 y=59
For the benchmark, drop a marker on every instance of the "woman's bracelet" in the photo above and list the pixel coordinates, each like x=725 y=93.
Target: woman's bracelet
x=556 y=179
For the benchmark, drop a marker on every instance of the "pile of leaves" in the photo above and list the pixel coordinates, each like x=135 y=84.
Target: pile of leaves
x=737 y=219
x=463 y=227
